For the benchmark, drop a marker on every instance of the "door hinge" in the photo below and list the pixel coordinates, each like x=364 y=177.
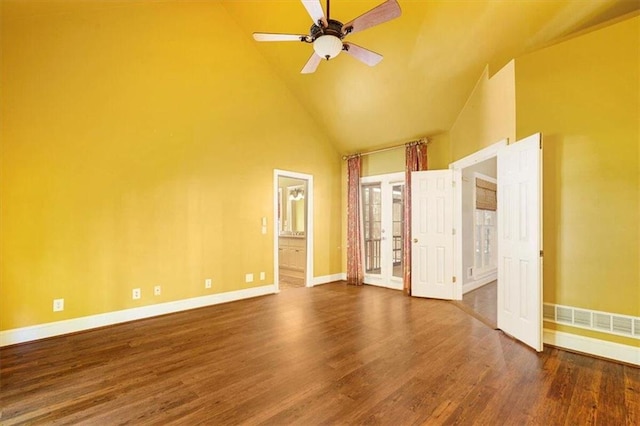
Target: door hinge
x=453 y=231
x=454 y=279
x=541 y=253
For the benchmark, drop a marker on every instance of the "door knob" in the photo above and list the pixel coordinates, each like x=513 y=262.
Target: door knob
x=415 y=240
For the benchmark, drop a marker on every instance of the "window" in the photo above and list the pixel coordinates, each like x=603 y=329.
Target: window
x=485 y=239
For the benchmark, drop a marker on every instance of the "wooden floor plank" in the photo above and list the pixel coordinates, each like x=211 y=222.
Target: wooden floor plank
x=332 y=354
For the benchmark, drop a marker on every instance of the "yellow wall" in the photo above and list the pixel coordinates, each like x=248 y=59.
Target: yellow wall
x=584 y=96
x=489 y=115
x=393 y=161
x=138 y=148
x=439 y=152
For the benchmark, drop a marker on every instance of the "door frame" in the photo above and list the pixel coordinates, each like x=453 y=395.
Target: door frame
x=277 y=174
x=486 y=153
x=384 y=179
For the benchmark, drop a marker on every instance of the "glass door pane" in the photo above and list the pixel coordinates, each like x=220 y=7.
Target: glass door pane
x=382 y=229
x=372 y=224
x=397 y=191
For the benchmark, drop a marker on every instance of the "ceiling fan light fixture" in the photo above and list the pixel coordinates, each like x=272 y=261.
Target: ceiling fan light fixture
x=327 y=46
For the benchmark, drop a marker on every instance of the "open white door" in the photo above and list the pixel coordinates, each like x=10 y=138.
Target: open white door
x=519 y=241
x=432 y=234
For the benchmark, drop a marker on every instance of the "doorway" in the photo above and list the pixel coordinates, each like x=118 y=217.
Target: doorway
x=293 y=230
x=519 y=236
x=475 y=256
x=382 y=226
x=479 y=240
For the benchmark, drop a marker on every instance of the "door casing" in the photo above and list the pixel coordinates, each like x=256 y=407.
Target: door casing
x=477 y=157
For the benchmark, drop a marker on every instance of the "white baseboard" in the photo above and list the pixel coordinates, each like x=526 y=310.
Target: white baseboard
x=391 y=285
x=41 y=331
x=591 y=346
x=326 y=279
x=475 y=284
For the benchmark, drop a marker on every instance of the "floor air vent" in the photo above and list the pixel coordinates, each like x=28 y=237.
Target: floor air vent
x=621 y=325
x=564 y=314
x=582 y=317
x=549 y=312
x=602 y=321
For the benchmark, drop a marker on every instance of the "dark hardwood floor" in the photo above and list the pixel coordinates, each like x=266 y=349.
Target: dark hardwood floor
x=482 y=303
x=332 y=354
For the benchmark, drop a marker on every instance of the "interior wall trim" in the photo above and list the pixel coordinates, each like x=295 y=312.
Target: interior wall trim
x=74 y=325
x=326 y=279
x=590 y=346
x=475 y=284
x=392 y=285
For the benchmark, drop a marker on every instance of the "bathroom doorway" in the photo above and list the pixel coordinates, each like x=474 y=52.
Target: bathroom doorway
x=293 y=228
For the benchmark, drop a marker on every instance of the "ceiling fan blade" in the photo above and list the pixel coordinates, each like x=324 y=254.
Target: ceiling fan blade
x=312 y=64
x=364 y=55
x=384 y=12
x=314 y=8
x=278 y=37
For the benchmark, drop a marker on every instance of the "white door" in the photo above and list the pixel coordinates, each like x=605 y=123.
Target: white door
x=432 y=234
x=382 y=201
x=519 y=241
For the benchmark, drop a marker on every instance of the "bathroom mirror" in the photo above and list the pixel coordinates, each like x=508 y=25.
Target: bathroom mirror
x=292 y=209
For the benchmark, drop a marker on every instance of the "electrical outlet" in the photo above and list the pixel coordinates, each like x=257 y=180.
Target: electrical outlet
x=58 y=305
x=207 y=283
x=248 y=278
x=262 y=276
x=157 y=290
x=135 y=293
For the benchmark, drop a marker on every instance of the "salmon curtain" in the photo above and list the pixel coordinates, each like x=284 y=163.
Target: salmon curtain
x=355 y=272
x=416 y=160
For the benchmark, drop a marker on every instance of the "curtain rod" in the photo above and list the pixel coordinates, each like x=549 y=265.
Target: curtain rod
x=375 y=151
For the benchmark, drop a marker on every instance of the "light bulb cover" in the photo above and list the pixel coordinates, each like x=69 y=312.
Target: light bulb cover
x=327 y=46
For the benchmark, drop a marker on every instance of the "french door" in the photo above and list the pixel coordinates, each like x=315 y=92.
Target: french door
x=382 y=205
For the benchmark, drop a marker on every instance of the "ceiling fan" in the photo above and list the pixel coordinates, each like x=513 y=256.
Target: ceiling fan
x=326 y=34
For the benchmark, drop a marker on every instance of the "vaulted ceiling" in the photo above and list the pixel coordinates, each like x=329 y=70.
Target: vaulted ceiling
x=433 y=56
